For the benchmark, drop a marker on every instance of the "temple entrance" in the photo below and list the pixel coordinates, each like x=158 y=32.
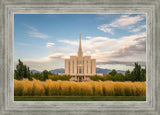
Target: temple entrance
x=80 y=78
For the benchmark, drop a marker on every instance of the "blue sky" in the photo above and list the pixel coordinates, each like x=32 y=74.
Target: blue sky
x=116 y=41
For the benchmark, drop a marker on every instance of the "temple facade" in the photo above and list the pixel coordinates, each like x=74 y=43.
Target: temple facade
x=80 y=67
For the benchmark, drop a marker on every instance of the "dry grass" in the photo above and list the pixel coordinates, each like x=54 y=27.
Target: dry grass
x=70 y=88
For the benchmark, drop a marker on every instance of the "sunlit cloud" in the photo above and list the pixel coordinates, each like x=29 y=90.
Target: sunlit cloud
x=124 y=22
x=120 y=50
x=50 y=44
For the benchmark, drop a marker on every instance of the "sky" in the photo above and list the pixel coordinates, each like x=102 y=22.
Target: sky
x=116 y=41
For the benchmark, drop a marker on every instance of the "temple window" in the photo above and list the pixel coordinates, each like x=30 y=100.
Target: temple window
x=80 y=71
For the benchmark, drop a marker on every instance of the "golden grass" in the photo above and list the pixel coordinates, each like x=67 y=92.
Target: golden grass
x=70 y=88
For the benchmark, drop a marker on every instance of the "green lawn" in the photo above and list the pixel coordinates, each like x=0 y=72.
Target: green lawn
x=70 y=98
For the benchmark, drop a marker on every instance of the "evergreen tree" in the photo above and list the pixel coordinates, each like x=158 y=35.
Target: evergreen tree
x=22 y=71
x=137 y=72
x=143 y=75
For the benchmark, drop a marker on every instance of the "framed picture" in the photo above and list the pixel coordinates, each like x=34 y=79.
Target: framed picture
x=79 y=57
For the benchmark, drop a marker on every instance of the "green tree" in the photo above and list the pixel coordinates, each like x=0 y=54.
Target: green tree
x=45 y=74
x=119 y=77
x=113 y=72
x=22 y=71
x=108 y=77
x=143 y=75
x=127 y=72
x=38 y=76
x=97 y=78
x=137 y=72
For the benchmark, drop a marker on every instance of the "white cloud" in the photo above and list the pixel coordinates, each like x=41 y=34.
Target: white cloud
x=50 y=62
x=124 y=22
x=38 y=35
x=69 y=42
x=31 y=27
x=103 y=49
x=57 y=55
x=50 y=44
x=23 y=44
x=105 y=28
x=138 y=28
x=33 y=32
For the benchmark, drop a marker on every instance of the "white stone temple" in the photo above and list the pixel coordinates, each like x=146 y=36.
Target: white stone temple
x=80 y=67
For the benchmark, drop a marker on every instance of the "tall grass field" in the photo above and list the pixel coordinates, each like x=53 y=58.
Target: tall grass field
x=70 y=88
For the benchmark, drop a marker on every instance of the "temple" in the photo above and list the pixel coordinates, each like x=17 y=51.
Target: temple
x=80 y=67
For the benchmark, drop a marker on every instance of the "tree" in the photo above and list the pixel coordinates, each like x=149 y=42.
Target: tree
x=45 y=74
x=119 y=77
x=129 y=77
x=108 y=77
x=22 y=71
x=97 y=78
x=38 y=76
x=113 y=72
x=127 y=72
x=143 y=75
x=137 y=72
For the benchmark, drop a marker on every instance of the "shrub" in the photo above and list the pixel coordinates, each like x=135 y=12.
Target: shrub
x=71 y=88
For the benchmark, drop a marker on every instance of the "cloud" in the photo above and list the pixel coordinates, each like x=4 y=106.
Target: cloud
x=124 y=22
x=23 y=44
x=30 y=27
x=127 y=63
x=50 y=62
x=68 y=42
x=103 y=49
x=33 y=32
x=138 y=28
x=130 y=50
x=38 y=35
x=105 y=28
x=57 y=55
x=49 y=45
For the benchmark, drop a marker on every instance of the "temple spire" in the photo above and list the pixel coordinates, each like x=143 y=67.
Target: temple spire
x=80 y=53
x=80 y=41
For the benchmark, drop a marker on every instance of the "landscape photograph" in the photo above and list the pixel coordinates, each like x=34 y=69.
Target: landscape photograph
x=80 y=57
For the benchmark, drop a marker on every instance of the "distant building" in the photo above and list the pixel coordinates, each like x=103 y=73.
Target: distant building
x=80 y=67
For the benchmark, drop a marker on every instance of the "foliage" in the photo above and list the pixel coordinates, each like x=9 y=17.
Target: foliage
x=108 y=77
x=138 y=74
x=70 y=88
x=22 y=71
x=55 y=77
x=97 y=78
x=113 y=72
x=119 y=77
